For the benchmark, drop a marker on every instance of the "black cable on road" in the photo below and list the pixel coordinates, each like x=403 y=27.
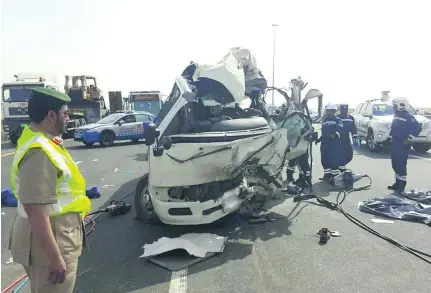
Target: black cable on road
x=341 y=196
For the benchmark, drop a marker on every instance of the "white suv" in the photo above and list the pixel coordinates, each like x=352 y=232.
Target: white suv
x=373 y=123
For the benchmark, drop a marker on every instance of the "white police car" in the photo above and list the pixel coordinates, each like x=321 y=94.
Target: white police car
x=128 y=125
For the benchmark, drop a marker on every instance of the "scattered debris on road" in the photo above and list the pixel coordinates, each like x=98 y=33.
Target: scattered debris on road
x=116 y=170
x=7 y=198
x=93 y=192
x=324 y=235
x=10 y=261
x=170 y=252
x=78 y=162
x=95 y=160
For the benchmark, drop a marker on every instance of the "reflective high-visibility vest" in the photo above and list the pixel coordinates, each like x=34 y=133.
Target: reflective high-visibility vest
x=71 y=187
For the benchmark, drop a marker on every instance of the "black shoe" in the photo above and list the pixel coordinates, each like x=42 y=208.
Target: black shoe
x=401 y=185
x=393 y=186
x=326 y=177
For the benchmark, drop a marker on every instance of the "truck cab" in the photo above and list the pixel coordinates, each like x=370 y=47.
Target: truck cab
x=373 y=120
x=15 y=96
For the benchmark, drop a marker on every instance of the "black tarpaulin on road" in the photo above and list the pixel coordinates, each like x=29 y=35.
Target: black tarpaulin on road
x=412 y=206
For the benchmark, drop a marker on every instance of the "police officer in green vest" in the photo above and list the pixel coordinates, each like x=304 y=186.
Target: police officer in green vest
x=47 y=235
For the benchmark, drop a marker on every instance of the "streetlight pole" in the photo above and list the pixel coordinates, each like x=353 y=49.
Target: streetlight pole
x=273 y=63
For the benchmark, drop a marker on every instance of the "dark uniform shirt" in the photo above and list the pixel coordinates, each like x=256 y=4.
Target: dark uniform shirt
x=404 y=126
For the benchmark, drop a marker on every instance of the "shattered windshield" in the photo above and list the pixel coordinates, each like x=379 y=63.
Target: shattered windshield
x=387 y=109
x=296 y=126
x=18 y=93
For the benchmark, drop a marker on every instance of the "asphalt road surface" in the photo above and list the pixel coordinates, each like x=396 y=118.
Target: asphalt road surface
x=278 y=256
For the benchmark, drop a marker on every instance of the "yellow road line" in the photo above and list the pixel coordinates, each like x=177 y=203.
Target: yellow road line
x=10 y=154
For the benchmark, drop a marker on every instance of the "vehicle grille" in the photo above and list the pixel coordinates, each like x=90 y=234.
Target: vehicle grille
x=18 y=111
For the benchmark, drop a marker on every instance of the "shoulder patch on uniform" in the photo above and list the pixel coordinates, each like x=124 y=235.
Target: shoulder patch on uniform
x=412 y=119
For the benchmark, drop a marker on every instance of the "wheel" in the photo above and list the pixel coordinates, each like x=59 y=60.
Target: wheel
x=371 y=144
x=107 y=138
x=88 y=144
x=82 y=121
x=422 y=147
x=143 y=207
x=13 y=139
x=135 y=140
x=15 y=136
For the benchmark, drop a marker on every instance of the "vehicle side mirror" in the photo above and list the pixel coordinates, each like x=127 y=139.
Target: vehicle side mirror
x=150 y=133
x=120 y=122
x=166 y=142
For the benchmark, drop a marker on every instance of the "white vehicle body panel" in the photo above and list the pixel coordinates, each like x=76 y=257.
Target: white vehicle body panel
x=381 y=127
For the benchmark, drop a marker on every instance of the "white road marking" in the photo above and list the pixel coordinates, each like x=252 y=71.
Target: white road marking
x=417 y=157
x=178 y=282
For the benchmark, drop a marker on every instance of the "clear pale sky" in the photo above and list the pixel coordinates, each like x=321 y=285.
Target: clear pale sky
x=350 y=50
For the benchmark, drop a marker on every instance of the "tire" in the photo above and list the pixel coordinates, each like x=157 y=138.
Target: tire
x=88 y=144
x=13 y=139
x=15 y=136
x=143 y=206
x=107 y=138
x=372 y=146
x=422 y=147
x=135 y=140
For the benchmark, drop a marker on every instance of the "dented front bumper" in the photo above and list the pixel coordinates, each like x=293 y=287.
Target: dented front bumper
x=197 y=213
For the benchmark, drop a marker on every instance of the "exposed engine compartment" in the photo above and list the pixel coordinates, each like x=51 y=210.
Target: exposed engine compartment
x=204 y=192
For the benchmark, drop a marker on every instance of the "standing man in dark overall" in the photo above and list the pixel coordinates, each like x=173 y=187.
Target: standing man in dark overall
x=330 y=148
x=349 y=127
x=404 y=127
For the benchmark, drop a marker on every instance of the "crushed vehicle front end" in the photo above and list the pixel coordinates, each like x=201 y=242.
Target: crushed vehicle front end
x=208 y=154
